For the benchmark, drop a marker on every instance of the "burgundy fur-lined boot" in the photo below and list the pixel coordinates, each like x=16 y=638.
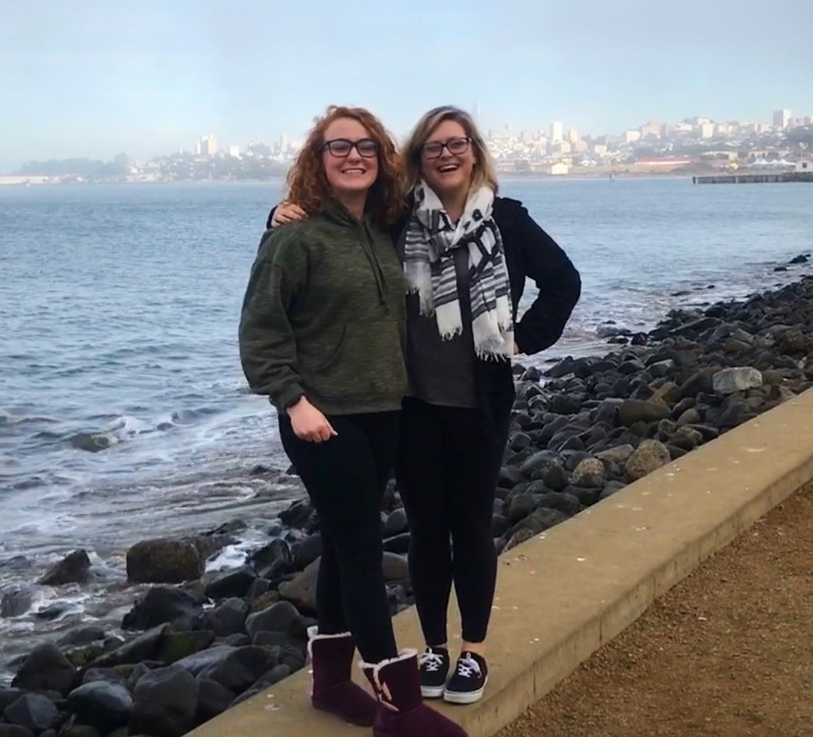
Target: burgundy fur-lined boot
x=401 y=711
x=333 y=691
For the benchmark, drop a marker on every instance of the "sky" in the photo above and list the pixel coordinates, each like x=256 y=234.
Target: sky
x=92 y=78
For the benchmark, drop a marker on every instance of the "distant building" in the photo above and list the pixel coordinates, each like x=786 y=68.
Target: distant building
x=706 y=130
x=805 y=166
x=573 y=135
x=632 y=136
x=781 y=119
x=652 y=128
x=234 y=151
x=207 y=146
x=557 y=132
x=559 y=169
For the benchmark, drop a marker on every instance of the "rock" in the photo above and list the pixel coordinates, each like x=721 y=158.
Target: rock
x=275 y=675
x=700 y=381
x=633 y=410
x=556 y=478
x=541 y=459
x=565 y=404
x=165 y=705
x=730 y=380
x=519 y=537
x=16 y=601
x=395 y=567
x=794 y=343
x=302 y=589
x=647 y=457
x=802 y=258
x=46 y=669
x=105 y=706
x=233 y=583
x=396 y=524
x=589 y=473
x=73 y=568
x=178 y=645
x=229 y=618
x=276 y=618
x=304 y=552
x=690 y=417
x=83 y=636
x=8 y=696
x=159 y=605
x=519 y=441
x=398 y=544
x=735 y=414
x=164 y=561
x=72 y=729
x=686 y=438
x=213 y=699
x=12 y=730
x=241 y=668
x=143 y=647
x=272 y=560
x=520 y=507
x=200 y=661
x=103 y=675
x=618 y=454
x=297 y=515
x=509 y=477
x=611 y=489
x=32 y=712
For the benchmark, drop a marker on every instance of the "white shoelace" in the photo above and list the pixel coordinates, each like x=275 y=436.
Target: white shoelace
x=431 y=662
x=467 y=666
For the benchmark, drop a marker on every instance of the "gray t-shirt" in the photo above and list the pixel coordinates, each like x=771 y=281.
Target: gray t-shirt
x=442 y=371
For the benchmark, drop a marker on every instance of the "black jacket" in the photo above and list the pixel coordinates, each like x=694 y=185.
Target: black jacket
x=530 y=253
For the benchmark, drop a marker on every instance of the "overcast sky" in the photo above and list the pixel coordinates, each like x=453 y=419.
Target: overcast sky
x=95 y=77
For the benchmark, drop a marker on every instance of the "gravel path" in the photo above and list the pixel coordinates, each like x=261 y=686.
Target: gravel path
x=728 y=652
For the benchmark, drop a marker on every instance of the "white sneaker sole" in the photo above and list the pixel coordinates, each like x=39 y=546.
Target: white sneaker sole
x=432 y=692
x=464 y=697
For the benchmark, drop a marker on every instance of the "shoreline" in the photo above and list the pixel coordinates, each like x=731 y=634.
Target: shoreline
x=595 y=424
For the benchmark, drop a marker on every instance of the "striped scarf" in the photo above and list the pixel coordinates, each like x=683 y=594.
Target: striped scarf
x=431 y=239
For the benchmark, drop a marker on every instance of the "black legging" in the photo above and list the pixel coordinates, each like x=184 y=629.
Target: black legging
x=345 y=479
x=447 y=471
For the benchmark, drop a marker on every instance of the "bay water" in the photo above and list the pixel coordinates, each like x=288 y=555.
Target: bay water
x=123 y=410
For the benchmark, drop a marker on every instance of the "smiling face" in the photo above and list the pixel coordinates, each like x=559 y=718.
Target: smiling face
x=351 y=175
x=449 y=173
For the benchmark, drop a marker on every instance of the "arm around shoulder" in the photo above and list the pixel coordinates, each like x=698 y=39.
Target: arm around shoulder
x=557 y=280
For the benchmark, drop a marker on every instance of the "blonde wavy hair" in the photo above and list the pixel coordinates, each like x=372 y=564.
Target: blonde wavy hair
x=307 y=183
x=483 y=173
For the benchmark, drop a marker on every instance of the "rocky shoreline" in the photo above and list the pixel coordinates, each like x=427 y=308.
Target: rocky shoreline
x=197 y=643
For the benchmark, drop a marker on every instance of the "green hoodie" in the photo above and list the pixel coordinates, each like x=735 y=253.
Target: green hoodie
x=323 y=316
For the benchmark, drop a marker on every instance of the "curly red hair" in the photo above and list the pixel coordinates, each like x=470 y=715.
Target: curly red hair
x=308 y=186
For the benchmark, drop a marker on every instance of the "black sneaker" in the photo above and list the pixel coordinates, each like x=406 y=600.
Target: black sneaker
x=433 y=667
x=468 y=681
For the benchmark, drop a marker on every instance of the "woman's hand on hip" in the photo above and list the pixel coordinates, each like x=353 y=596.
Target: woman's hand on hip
x=287 y=212
x=309 y=423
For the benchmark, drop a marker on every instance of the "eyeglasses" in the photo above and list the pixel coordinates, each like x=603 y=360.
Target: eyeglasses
x=454 y=146
x=341 y=147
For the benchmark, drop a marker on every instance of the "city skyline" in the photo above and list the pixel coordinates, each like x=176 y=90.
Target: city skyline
x=782 y=119
x=91 y=79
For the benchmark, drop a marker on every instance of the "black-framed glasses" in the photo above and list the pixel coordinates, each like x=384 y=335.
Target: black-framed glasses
x=454 y=146
x=341 y=147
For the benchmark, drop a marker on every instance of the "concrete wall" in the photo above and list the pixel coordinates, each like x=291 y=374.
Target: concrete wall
x=564 y=593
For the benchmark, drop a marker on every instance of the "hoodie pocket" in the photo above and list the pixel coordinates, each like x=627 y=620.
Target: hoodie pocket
x=368 y=365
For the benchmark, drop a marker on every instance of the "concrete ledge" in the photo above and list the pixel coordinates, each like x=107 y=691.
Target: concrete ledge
x=564 y=593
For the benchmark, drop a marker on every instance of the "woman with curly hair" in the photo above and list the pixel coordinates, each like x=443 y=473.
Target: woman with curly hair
x=321 y=334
